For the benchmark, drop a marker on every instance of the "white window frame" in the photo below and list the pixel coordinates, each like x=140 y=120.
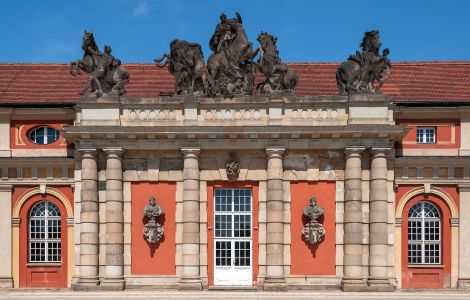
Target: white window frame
x=232 y=239
x=428 y=135
x=421 y=220
x=46 y=137
x=46 y=240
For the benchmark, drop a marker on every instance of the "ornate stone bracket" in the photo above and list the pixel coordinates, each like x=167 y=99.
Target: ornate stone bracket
x=233 y=167
x=313 y=231
x=153 y=231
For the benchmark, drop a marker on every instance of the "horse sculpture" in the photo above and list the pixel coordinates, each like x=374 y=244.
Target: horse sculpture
x=230 y=65
x=186 y=63
x=279 y=77
x=107 y=76
x=366 y=71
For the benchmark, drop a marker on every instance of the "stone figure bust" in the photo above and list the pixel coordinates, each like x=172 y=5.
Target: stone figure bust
x=313 y=211
x=152 y=210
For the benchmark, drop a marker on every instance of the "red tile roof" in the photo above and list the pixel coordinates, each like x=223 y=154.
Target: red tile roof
x=408 y=82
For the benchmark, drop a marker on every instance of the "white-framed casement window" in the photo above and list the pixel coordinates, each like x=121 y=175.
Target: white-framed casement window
x=424 y=234
x=426 y=135
x=45 y=233
x=43 y=135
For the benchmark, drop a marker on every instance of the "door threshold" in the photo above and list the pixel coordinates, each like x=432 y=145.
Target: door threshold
x=242 y=288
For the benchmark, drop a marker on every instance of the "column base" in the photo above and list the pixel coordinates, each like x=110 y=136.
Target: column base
x=6 y=282
x=86 y=284
x=380 y=285
x=277 y=284
x=190 y=284
x=464 y=283
x=353 y=285
x=113 y=284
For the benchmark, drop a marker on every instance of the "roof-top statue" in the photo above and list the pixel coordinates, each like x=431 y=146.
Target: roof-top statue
x=106 y=74
x=365 y=71
x=187 y=65
x=231 y=71
x=279 y=77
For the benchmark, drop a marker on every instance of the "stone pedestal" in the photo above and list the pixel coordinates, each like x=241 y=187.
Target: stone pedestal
x=89 y=233
x=190 y=278
x=275 y=280
x=6 y=278
x=352 y=279
x=378 y=233
x=114 y=259
x=464 y=234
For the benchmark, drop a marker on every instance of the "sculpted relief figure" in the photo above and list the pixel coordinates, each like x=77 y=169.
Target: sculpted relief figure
x=106 y=76
x=313 y=231
x=231 y=71
x=153 y=231
x=365 y=71
x=186 y=63
x=278 y=76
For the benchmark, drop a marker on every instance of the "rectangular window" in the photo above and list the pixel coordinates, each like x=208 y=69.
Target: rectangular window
x=426 y=135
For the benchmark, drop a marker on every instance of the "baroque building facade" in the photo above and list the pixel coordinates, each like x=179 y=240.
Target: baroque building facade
x=226 y=184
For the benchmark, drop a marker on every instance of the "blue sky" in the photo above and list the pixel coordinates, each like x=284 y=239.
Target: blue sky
x=307 y=31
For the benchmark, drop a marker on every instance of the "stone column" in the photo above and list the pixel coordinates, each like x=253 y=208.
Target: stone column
x=89 y=222
x=352 y=279
x=275 y=279
x=6 y=278
x=190 y=278
x=464 y=237
x=114 y=259
x=378 y=217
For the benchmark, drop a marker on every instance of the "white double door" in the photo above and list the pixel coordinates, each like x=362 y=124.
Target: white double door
x=233 y=236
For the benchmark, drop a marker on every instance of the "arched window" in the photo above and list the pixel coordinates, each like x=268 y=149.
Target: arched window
x=424 y=234
x=45 y=233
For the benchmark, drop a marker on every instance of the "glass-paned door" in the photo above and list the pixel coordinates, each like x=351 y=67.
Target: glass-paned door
x=233 y=236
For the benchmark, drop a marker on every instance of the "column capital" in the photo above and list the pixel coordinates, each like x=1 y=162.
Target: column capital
x=275 y=152
x=377 y=152
x=117 y=152
x=6 y=187
x=354 y=151
x=88 y=152
x=464 y=187
x=15 y=221
x=191 y=152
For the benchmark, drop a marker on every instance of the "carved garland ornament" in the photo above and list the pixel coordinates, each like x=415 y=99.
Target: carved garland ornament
x=153 y=231
x=313 y=231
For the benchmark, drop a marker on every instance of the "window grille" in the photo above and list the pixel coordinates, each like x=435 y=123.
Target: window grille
x=43 y=135
x=424 y=234
x=426 y=135
x=45 y=233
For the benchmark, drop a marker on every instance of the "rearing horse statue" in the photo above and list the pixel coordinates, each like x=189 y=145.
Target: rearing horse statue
x=361 y=72
x=107 y=76
x=230 y=65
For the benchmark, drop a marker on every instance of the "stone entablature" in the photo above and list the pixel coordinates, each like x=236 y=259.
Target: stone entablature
x=169 y=123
